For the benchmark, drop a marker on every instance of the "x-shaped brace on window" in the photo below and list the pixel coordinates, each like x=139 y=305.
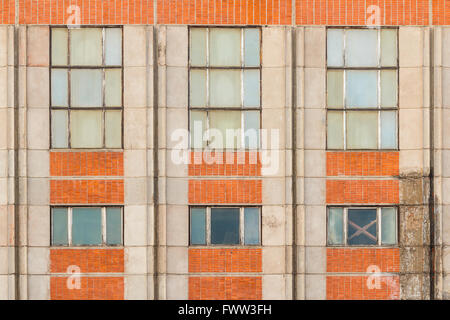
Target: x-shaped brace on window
x=360 y=230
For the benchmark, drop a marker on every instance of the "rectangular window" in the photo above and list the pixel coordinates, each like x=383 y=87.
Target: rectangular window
x=87 y=226
x=225 y=87
x=362 y=89
x=225 y=226
x=86 y=88
x=369 y=226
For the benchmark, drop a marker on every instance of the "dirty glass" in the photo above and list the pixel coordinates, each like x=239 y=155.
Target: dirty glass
x=388 y=47
x=86 y=88
x=362 y=129
x=86 y=129
x=251 y=226
x=388 y=88
x=388 y=130
x=113 y=129
x=251 y=127
x=362 y=227
x=335 y=130
x=198 y=88
x=388 y=226
x=86 y=47
x=59 y=129
x=335 y=226
x=225 y=88
x=251 y=47
x=86 y=226
x=113 y=87
x=335 y=47
x=251 y=88
x=198 y=47
x=60 y=88
x=59 y=226
x=335 y=89
x=225 y=226
x=225 y=125
x=113 y=226
x=361 y=48
x=113 y=46
x=197 y=128
x=225 y=47
x=59 y=46
x=198 y=226
x=361 y=88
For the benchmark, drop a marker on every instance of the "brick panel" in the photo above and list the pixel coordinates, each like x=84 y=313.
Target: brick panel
x=7 y=12
x=362 y=191
x=363 y=288
x=363 y=163
x=225 y=191
x=225 y=288
x=86 y=163
x=224 y=164
x=86 y=191
x=359 y=260
x=225 y=260
x=92 y=288
x=88 y=260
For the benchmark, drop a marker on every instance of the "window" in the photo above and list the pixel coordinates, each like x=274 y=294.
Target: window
x=225 y=226
x=86 y=88
x=87 y=226
x=225 y=93
x=362 y=88
x=369 y=226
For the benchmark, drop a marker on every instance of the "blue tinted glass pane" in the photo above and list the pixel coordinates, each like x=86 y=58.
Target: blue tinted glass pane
x=335 y=47
x=389 y=130
x=86 y=88
x=113 y=226
x=361 y=89
x=362 y=226
x=59 y=88
x=251 y=226
x=251 y=50
x=225 y=226
x=335 y=226
x=251 y=88
x=86 y=226
x=113 y=46
x=198 y=226
x=361 y=48
x=60 y=135
x=59 y=223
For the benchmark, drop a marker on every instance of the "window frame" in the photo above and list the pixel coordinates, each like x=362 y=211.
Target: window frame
x=103 y=67
x=241 y=226
x=104 y=226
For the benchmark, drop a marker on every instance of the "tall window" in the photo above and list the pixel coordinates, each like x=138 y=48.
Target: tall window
x=224 y=96
x=86 y=88
x=362 y=88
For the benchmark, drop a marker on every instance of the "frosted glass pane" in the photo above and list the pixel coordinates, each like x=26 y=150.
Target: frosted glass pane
x=388 y=47
x=388 y=88
x=113 y=87
x=198 y=88
x=198 y=226
x=113 y=129
x=361 y=48
x=251 y=226
x=335 y=130
x=59 y=226
x=86 y=226
x=225 y=88
x=362 y=129
x=60 y=129
x=113 y=226
x=388 y=226
x=335 y=89
x=252 y=47
x=225 y=47
x=361 y=89
x=335 y=47
x=225 y=226
x=86 y=88
x=197 y=129
x=113 y=46
x=86 y=47
x=86 y=129
x=251 y=127
x=335 y=226
x=59 y=46
x=60 y=86
x=251 y=88
x=225 y=123
x=389 y=130
x=198 y=47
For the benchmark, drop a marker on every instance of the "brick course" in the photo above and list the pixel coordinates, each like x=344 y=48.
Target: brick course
x=357 y=288
x=88 y=260
x=225 y=191
x=225 y=288
x=86 y=191
x=362 y=191
x=358 y=259
x=92 y=288
x=86 y=163
x=225 y=260
x=363 y=163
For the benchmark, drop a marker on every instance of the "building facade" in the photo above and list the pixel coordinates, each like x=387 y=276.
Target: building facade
x=214 y=149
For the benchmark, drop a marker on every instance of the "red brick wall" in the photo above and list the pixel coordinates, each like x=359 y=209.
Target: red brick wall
x=357 y=288
x=86 y=163
x=225 y=260
x=7 y=12
x=359 y=259
x=224 y=164
x=92 y=288
x=363 y=163
x=88 y=260
x=225 y=191
x=86 y=191
x=362 y=191
x=225 y=288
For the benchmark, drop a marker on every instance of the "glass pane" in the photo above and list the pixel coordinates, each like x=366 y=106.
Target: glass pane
x=362 y=130
x=251 y=129
x=251 y=47
x=86 y=226
x=59 y=226
x=251 y=88
x=388 y=226
x=86 y=47
x=251 y=226
x=225 y=47
x=389 y=130
x=362 y=227
x=86 y=88
x=60 y=129
x=197 y=129
x=335 y=89
x=361 y=89
x=388 y=88
x=60 y=86
x=225 y=226
x=113 y=129
x=335 y=47
x=86 y=129
x=198 y=88
x=113 y=226
x=335 y=226
x=113 y=87
x=224 y=131
x=113 y=46
x=225 y=88
x=361 y=48
x=388 y=47
x=198 y=47
x=198 y=226
x=335 y=130
x=59 y=46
